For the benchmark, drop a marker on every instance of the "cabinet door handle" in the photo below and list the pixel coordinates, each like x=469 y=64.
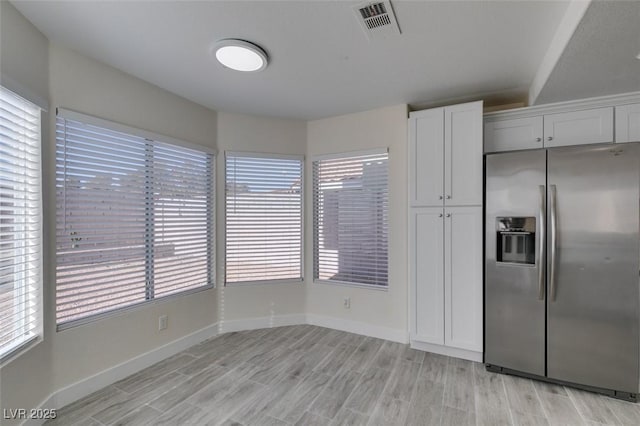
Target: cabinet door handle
x=448 y=214
x=448 y=197
x=538 y=139
x=550 y=138
x=440 y=197
x=440 y=215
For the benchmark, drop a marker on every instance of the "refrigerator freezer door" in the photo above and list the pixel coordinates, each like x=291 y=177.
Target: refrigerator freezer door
x=593 y=297
x=514 y=290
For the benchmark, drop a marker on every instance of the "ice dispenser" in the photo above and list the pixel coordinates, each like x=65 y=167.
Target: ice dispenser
x=516 y=240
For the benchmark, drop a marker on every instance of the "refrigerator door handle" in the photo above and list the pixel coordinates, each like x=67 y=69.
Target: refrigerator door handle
x=553 y=220
x=541 y=243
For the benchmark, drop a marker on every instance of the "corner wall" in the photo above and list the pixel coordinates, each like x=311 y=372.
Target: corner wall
x=256 y=305
x=374 y=312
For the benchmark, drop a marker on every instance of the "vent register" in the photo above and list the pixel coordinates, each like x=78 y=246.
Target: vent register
x=377 y=19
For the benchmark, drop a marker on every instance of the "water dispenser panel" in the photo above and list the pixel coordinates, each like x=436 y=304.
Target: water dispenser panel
x=516 y=240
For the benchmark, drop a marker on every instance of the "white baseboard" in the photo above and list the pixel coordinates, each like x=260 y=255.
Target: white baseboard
x=357 y=327
x=446 y=350
x=260 y=322
x=82 y=388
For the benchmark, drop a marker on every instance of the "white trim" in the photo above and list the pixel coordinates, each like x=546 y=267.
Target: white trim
x=566 y=106
x=350 y=284
x=260 y=322
x=84 y=387
x=447 y=350
x=357 y=327
x=251 y=154
x=263 y=282
x=123 y=128
x=568 y=25
x=24 y=92
x=350 y=154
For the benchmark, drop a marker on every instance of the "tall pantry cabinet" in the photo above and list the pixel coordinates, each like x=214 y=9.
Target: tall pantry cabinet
x=445 y=230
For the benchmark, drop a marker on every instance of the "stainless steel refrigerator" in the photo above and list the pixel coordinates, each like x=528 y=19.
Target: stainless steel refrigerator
x=562 y=265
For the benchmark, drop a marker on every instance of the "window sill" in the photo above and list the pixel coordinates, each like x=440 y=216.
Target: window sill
x=348 y=284
x=263 y=282
x=20 y=350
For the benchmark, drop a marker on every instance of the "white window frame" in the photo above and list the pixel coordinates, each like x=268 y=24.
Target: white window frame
x=114 y=126
x=336 y=156
x=302 y=222
x=34 y=335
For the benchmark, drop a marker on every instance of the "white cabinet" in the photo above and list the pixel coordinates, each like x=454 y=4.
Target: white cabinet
x=463 y=278
x=445 y=230
x=446 y=278
x=578 y=127
x=514 y=134
x=445 y=156
x=426 y=157
x=427 y=274
x=586 y=126
x=628 y=123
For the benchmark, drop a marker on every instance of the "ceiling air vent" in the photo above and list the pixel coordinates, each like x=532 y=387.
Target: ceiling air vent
x=377 y=19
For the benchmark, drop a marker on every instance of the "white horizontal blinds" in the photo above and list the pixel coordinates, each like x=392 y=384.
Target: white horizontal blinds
x=101 y=183
x=20 y=222
x=263 y=217
x=134 y=219
x=182 y=219
x=350 y=219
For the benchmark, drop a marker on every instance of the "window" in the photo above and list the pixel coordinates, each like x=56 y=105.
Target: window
x=134 y=217
x=20 y=224
x=350 y=210
x=263 y=217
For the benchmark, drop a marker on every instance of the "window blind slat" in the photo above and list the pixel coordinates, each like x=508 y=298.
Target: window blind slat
x=263 y=217
x=129 y=210
x=350 y=214
x=20 y=216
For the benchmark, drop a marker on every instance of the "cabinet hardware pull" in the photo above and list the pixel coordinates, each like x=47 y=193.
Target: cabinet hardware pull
x=550 y=138
x=441 y=197
x=538 y=139
x=448 y=197
x=448 y=214
x=440 y=215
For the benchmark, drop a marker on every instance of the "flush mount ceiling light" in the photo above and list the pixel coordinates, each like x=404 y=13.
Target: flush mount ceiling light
x=240 y=55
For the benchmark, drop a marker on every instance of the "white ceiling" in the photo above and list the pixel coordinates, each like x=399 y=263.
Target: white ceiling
x=321 y=62
x=600 y=59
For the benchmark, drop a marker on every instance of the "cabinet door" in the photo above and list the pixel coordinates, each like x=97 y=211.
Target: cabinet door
x=514 y=134
x=463 y=154
x=426 y=153
x=579 y=127
x=426 y=275
x=628 y=123
x=463 y=278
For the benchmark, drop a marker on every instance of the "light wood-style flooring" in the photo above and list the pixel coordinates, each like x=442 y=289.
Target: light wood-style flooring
x=307 y=375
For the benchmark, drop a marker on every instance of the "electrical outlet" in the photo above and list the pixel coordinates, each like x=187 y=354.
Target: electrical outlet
x=163 y=322
x=347 y=303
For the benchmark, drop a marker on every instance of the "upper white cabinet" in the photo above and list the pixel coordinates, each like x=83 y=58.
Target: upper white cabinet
x=511 y=135
x=601 y=120
x=426 y=157
x=578 y=127
x=445 y=156
x=628 y=123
